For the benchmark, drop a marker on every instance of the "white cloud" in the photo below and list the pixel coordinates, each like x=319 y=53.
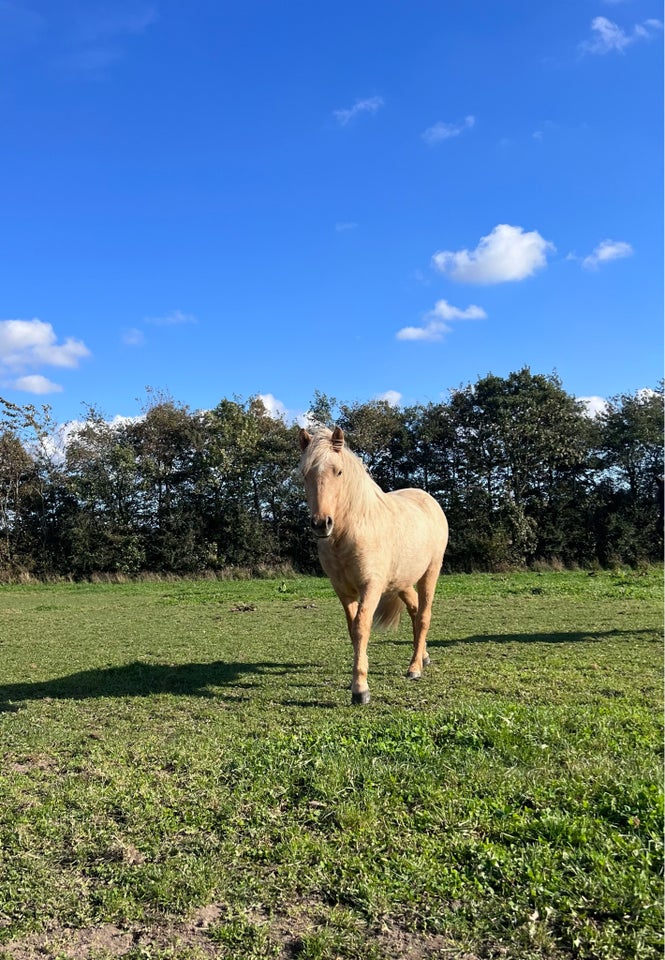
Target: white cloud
x=344 y=225
x=593 y=406
x=117 y=420
x=445 y=311
x=437 y=321
x=26 y=344
x=55 y=445
x=646 y=393
x=506 y=254
x=607 y=250
x=36 y=383
x=274 y=407
x=596 y=406
x=430 y=332
x=391 y=397
x=175 y=318
x=279 y=411
x=544 y=129
x=608 y=36
x=445 y=131
x=133 y=337
x=370 y=105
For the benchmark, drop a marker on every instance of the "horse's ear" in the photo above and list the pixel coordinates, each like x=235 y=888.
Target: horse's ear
x=304 y=439
x=337 y=438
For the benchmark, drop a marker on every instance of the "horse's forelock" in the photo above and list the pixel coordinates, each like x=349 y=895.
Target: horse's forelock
x=319 y=446
x=325 y=443
x=358 y=489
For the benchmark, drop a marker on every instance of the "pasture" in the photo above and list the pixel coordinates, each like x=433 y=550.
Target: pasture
x=183 y=776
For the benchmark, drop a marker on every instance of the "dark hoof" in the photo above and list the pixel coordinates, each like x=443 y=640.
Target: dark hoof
x=360 y=698
x=414 y=675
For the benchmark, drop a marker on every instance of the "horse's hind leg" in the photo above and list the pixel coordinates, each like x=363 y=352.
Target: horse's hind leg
x=421 y=621
x=410 y=598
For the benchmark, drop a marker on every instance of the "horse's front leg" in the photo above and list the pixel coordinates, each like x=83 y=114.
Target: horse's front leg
x=350 y=609
x=360 y=626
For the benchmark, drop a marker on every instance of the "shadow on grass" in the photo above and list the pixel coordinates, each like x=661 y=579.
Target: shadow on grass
x=140 y=679
x=586 y=636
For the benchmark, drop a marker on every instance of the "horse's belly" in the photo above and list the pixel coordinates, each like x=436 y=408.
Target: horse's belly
x=407 y=570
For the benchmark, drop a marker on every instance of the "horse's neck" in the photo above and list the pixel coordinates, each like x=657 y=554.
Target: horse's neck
x=363 y=498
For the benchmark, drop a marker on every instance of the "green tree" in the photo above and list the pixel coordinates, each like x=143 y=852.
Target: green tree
x=323 y=410
x=524 y=445
x=17 y=480
x=238 y=524
x=629 y=519
x=168 y=445
x=30 y=481
x=103 y=516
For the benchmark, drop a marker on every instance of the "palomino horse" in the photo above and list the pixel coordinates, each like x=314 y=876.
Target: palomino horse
x=374 y=546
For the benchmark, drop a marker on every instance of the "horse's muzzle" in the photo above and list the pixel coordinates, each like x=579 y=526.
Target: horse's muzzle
x=322 y=528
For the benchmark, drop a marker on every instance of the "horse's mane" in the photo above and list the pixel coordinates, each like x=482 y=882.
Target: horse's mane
x=360 y=491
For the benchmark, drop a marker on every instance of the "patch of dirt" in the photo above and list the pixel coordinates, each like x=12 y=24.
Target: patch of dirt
x=287 y=932
x=71 y=943
x=113 y=941
x=398 y=944
x=32 y=762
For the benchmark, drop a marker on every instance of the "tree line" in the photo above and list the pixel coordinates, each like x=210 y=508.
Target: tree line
x=523 y=472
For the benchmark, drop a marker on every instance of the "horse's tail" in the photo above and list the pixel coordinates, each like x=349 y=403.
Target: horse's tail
x=388 y=611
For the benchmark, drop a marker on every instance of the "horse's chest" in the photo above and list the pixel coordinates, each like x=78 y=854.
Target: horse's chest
x=347 y=564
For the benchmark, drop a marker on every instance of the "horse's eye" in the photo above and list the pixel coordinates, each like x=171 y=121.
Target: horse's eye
x=339 y=473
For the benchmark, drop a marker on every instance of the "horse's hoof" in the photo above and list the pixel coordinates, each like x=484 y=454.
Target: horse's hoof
x=414 y=675
x=426 y=660
x=360 y=698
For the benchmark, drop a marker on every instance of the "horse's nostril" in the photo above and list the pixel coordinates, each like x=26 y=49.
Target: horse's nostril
x=323 y=525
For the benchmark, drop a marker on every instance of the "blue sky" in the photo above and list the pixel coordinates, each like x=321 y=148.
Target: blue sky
x=385 y=198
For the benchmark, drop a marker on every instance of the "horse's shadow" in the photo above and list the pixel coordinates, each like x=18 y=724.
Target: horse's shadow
x=586 y=636
x=141 y=679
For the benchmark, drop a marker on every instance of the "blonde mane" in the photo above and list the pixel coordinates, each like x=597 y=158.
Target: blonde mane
x=359 y=492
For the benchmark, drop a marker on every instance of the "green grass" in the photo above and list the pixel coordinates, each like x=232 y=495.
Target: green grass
x=183 y=775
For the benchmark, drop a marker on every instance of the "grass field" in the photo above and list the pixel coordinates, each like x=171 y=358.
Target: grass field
x=183 y=775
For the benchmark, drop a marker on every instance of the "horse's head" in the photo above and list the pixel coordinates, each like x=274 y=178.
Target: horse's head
x=321 y=466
